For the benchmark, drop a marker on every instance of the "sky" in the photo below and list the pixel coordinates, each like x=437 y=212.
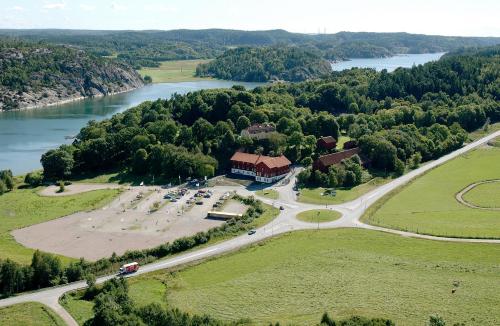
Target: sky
x=436 y=17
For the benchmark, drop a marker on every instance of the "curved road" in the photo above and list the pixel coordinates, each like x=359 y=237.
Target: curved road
x=285 y=222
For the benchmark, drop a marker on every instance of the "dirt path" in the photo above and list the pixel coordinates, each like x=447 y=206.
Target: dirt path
x=461 y=200
x=77 y=188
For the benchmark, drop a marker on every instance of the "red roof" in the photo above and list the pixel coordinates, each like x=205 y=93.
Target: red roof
x=270 y=162
x=328 y=140
x=335 y=158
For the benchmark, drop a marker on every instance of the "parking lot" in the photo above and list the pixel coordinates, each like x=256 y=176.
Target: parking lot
x=141 y=217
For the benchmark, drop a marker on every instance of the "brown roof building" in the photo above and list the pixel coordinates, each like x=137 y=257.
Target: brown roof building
x=264 y=168
x=326 y=142
x=325 y=161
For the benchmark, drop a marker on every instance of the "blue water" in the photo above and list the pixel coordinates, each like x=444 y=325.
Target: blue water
x=26 y=135
x=402 y=60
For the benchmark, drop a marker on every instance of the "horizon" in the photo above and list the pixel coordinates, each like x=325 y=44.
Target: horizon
x=446 y=18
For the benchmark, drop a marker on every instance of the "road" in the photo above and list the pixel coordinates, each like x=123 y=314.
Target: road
x=285 y=222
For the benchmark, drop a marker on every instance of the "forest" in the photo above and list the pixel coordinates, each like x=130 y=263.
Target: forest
x=39 y=72
x=149 y=48
x=399 y=119
x=264 y=64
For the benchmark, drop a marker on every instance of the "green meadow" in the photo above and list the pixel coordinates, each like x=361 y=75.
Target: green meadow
x=428 y=204
x=173 y=71
x=296 y=277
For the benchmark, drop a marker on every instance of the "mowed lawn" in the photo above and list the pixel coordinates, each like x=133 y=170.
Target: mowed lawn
x=268 y=193
x=314 y=195
x=484 y=195
x=297 y=277
x=428 y=205
x=27 y=314
x=173 y=71
x=319 y=216
x=24 y=207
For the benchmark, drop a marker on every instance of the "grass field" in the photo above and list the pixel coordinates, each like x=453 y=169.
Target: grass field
x=484 y=195
x=428 y=205
x=173 y=71
x=268 y=193
x=298 y=276
x=341 y=141
x=319 y=216
x=27 y=314
x=24 y=207
x=314 y=195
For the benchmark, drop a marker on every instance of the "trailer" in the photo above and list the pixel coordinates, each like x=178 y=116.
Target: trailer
x=129 y=268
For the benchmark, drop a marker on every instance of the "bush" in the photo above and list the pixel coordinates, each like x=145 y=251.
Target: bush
x=34 y=179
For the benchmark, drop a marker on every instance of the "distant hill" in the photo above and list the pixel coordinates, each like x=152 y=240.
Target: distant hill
x=36 y=74
x=260 y=64
x=148 y=48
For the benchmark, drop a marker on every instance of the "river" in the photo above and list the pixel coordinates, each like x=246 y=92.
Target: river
x=402 y=60
x=26 y=135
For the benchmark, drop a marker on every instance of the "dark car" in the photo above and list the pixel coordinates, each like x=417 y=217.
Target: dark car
x=282 y=208
x=252 y=231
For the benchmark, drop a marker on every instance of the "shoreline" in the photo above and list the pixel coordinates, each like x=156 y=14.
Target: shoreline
x=69 y=100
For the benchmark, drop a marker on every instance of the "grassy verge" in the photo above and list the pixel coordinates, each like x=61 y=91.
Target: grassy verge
x=24 y=207
x=319 y=216
x=428 y=204
x=268 y=193
x=298 y=276
x=314 y=195
x=173 y=71
x=28 y=314
x=475 y=135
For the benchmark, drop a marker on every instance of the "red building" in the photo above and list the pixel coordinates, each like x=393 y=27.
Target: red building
x=264 y=168
x=326 y=142
x=325 y=161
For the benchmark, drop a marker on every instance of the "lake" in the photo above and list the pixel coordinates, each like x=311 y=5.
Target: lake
x=402 y=60
x=26 y=135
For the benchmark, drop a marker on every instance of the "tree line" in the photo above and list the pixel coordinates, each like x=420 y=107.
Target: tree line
x=266 y=63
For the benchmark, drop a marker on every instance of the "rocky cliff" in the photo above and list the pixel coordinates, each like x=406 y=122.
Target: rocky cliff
x=34 y=74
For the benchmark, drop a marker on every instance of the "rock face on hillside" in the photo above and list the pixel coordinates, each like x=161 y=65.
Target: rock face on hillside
x=33 y=75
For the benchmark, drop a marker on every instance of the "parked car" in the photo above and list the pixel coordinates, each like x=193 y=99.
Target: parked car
x=282 y=208
x=199 y=202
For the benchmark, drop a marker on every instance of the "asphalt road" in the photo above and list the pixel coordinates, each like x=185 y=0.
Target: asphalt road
x=285 y=222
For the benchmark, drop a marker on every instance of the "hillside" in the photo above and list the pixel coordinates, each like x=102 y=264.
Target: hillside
x=264 y=64
x=148 y=48
x=38 y=74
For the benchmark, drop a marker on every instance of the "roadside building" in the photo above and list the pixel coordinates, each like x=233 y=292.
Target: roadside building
x=326 y=143
x=258 y=131
x=325 y=161
x=265 y=169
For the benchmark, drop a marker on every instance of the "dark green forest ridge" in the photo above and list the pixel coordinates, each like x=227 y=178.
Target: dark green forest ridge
x=148 y=48
x=261 y=64
x=34 y=74
x=397 y=118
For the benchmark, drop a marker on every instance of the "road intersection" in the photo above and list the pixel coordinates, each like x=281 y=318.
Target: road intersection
x=286 y=222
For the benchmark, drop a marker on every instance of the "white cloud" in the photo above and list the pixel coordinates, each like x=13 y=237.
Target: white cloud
x=18 y=8
x=55 y=5
x=86 y=7
x=116 y=6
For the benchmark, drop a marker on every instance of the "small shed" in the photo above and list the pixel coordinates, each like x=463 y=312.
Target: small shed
x=326 y=143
